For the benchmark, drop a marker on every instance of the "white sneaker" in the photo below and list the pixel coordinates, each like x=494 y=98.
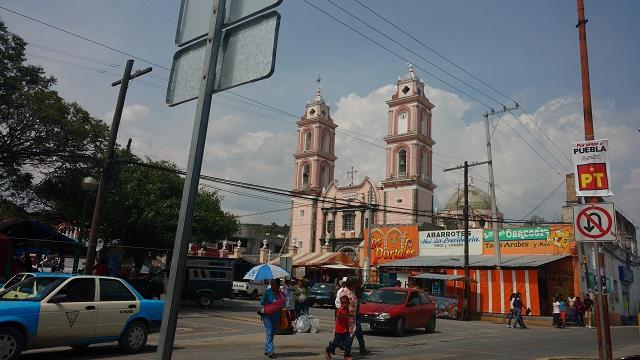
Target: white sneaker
x=508 y=325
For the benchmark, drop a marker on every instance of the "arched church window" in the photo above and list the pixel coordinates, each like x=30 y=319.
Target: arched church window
x=305 y=176
x=423 y=124
x=324 y=176
x=326 y=141
x=402 y=162
x=403 y=122
x=422 y=164
x=307 y=140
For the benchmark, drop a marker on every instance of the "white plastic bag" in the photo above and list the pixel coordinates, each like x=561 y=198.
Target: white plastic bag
x=315 y=325
x=302 y=323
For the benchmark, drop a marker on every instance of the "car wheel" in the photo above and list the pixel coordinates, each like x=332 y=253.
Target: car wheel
x=134 y=337
x=11 y=343
x=431 y=325
x=399 y=330
x=205 y=299
x=80 y=347
x=254 y=295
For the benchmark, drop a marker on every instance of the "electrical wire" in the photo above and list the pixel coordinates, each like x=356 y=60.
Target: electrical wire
x=544 y=200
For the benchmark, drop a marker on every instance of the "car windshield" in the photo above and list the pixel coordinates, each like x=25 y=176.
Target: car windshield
x=16 y=279
x=322 y=287
x=387 y=296
x=31 y=289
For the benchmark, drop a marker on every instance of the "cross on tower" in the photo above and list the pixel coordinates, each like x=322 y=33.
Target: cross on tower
x=318 y=81
x=351 y=174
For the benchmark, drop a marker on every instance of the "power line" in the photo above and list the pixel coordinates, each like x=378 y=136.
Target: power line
x=398 y=55
x=544 y=200
x=414 y=53
x=522 y=109
x=83 y=38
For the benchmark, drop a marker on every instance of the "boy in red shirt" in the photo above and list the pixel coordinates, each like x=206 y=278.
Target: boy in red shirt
x=342 y=335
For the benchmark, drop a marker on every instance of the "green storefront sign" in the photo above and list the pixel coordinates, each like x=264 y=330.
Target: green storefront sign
x=531 y=233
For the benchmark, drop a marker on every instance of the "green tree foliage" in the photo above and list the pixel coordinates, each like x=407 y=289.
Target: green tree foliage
x=61 y=143
x=38 y=129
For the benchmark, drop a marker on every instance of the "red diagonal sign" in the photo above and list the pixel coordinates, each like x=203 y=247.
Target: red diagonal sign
x=590 y=220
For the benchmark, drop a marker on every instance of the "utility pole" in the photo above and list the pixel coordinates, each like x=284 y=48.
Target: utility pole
x=602 y=311
x=465 y=301
x=492 y=184
x=367 y=261
x=108 y=163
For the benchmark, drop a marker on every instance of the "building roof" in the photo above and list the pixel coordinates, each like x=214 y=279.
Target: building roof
x=478 y=199
x=508 y=261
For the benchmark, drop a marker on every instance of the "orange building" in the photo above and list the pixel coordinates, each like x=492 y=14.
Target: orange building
x=538 y=262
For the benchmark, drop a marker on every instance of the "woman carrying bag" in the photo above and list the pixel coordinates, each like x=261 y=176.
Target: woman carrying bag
x=272 y=302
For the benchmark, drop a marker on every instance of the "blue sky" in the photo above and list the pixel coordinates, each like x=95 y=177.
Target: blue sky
x=526 y=49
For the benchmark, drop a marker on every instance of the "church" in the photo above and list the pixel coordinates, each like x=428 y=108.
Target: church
x=335 y=217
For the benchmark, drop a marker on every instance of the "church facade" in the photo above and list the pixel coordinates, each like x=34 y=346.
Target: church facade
x=325 y=214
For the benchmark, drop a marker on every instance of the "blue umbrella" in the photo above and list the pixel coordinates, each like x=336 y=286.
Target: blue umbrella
x=266 y=272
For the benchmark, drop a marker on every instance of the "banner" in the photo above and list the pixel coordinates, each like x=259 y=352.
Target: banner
x=553 y=240
x=591 y=165
x=391 y=243
x=531 y=233
x=449 y=242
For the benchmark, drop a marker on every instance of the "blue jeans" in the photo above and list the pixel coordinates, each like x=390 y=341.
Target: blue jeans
x=359 y=335
x=343 y=339
x=519 y=318
x=512 y=314
x=270 y=323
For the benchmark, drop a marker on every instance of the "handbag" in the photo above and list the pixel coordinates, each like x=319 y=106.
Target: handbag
x=274 y=307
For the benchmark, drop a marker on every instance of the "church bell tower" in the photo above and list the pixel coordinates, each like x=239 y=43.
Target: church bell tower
x=408 y=181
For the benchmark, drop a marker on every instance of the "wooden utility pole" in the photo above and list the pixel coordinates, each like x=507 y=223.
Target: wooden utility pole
x=602 y=308
x=467 y=288
x=108 y=163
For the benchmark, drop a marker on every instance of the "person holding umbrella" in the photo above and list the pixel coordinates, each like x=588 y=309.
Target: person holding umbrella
x=272 y=302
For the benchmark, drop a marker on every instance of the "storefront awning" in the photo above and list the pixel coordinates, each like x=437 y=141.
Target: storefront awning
x=434 y=276
x=508 y=261
x=339 y=267
x=319 y=259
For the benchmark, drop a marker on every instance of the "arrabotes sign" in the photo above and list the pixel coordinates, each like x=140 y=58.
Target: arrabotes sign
x=591 y=166
x=449 y=242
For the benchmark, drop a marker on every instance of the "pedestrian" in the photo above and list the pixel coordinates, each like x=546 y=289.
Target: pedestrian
x=571 y=299
x=343 y=333
x=272 y=301
x=512 y=310
x=588 y=309
x=359 y=334
x=578 y=309
x=519 y=305
x=556 y=312
x=342 y=283
x=563 y=313
x=300 y=294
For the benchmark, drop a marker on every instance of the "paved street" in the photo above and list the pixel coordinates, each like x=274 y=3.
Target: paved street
x=231 y=330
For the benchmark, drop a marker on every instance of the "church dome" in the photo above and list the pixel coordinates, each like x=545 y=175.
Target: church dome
x=478 y=199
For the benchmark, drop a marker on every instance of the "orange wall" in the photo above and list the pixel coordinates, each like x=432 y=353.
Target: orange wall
x=560 y=241
x=391 y=243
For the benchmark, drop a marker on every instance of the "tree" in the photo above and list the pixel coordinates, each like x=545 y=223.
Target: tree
x=38 y=129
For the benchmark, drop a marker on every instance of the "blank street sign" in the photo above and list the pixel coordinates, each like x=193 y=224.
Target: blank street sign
x=243 y=9
x=186 y=72
x=193 y=22
x=249 y=52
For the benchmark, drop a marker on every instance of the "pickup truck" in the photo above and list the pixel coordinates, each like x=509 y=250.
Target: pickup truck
x=251 y=289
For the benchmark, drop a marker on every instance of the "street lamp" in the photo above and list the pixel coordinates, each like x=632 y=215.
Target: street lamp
x=88 y=186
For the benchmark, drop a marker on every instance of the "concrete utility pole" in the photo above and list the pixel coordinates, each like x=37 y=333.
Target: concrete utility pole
x=367 y=265
x=602 y=311
x=465 y=301
x=492 y=184
x=108 y=163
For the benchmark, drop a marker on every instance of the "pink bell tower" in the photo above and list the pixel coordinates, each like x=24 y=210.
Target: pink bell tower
x=408 y=181
x=314 y=167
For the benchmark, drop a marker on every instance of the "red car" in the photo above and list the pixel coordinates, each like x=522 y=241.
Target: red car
x=397 y=309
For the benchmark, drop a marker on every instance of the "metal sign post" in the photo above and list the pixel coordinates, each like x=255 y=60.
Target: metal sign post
x=190 y=190
x=235 y=48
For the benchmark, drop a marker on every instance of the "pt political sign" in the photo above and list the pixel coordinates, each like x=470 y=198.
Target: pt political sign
x=591 y=167
x=594 y=222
